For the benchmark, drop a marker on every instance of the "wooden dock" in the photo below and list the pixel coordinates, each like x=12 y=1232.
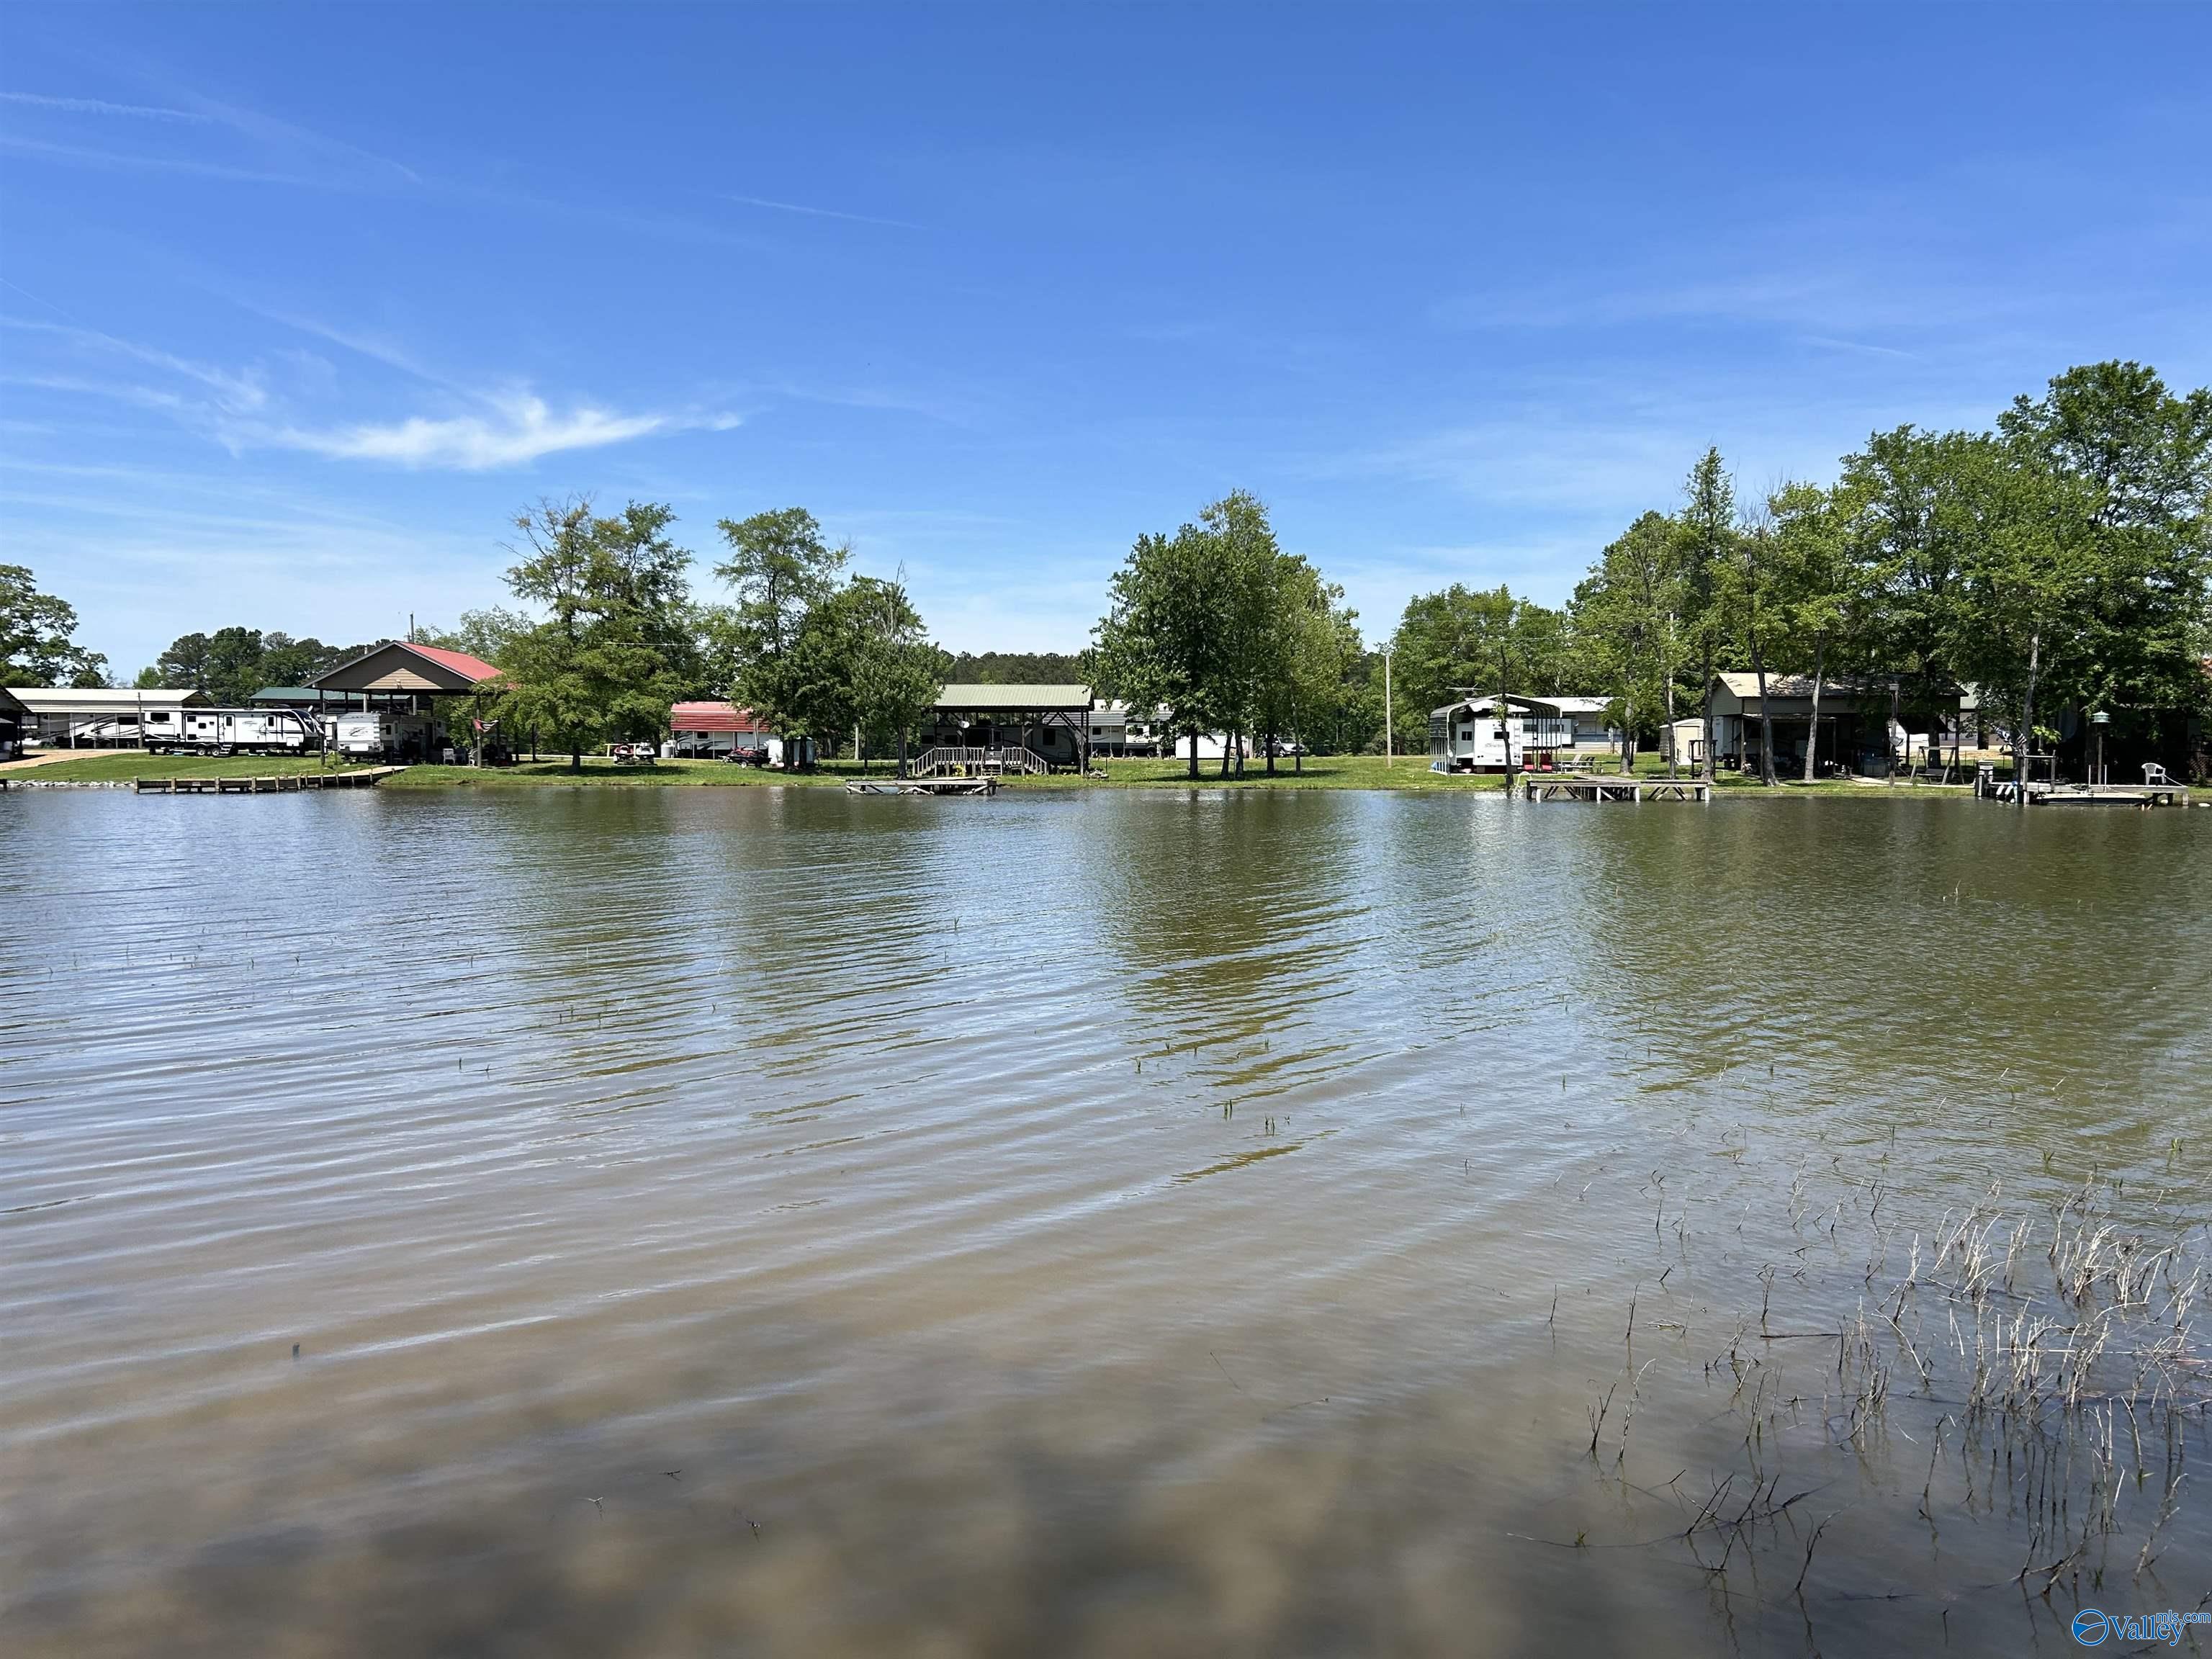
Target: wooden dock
x=2144 y=795
x=1593 y=787
x=283 y=783
x=946 y=786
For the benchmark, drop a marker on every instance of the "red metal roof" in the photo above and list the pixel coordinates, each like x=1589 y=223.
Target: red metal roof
x=459 y=661
x=714 y=717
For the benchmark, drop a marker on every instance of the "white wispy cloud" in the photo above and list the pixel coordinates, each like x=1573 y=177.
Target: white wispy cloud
x=230 y=141
x=514 y=431
x=102 y=107
x=480 y=431
x=819 y=212
x=238 y=392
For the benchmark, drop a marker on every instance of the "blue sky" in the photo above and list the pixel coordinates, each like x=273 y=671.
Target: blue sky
x=301 y=304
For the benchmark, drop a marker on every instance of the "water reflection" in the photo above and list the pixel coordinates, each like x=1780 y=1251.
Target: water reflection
x=1057 y=1223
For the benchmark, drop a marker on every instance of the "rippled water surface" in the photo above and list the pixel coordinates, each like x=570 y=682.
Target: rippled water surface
x=761 y=1221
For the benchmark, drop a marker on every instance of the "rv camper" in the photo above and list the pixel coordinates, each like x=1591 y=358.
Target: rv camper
x=380 y=734
x=230 y=732
x=1485 y=734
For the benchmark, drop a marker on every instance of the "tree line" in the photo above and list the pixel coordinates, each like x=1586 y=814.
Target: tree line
x=2060 y=557
x=614 y=635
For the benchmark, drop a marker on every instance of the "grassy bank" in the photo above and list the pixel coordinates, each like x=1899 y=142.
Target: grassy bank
x=1408 y=773
x=599 y=772
x=121 y=765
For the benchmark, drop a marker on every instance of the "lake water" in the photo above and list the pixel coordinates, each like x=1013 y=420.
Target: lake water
x=767 y=1221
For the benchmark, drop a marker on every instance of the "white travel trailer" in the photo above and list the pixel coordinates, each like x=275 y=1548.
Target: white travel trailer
x=380 y=734
x=231 y=731
x=1476 y=734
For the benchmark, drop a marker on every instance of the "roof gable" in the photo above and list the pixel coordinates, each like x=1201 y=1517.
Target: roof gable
x=402 y=666
x=1012 y=699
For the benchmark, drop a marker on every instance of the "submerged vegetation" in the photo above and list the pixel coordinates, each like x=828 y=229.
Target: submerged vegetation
x=2039 y=1369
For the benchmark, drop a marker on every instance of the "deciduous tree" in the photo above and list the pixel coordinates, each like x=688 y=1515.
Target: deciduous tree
x=781 y=569
x=38 y=636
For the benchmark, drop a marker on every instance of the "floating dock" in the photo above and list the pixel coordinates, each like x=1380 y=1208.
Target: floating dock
x=364 y=778
x=921 y=787
x=1588 y=785
x=2101 y=794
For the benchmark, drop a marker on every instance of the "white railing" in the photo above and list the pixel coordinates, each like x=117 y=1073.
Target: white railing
x=954 y=760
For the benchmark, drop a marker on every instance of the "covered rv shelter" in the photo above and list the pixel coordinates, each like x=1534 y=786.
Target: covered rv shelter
x=102 y=717
x=399 y=670
x=1011 y=728
x=1488 y=733
x=400 y=678
x=13 y=715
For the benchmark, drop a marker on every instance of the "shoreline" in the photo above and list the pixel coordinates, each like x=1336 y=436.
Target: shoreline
x=1365 y=773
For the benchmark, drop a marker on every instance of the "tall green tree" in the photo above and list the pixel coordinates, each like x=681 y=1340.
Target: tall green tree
x=1311 y=640
x=614 y=649
x=1751 y=583
x=863 y=663
x=1325 y=682
x=1258 y=628
x=2026 y=583
x=1163 y=642
x=1706 y=532
x=1908 y=545
x=1627 y=616
x=1818 y=593
x=781 y=569
x=183 y=663
x=38 y=636
x=2142 y=457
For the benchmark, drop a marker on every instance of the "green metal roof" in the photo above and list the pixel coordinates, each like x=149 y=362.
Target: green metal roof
x=1013 y=699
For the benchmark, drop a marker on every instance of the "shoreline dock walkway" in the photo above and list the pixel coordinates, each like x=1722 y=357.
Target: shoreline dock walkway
x=281 y=783
x=940 y=786
x=1592 y=786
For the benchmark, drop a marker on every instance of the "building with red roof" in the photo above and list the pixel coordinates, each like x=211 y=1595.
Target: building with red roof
x=720 y=730
x=400 y=666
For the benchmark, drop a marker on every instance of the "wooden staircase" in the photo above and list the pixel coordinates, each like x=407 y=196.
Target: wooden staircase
x=956 y=761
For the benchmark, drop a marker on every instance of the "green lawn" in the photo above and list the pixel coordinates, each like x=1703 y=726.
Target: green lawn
x=1408 y=772
x=121 y=765
x=1320 y=772
x=598 y=771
